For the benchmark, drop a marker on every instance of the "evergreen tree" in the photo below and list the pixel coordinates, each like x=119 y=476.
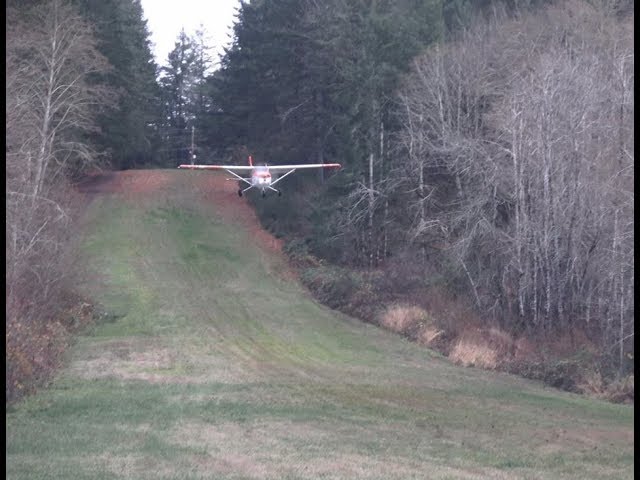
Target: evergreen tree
x=199 y=99
x=129 y=132
x=175 y=83
x=310 y=81
x=184 y=83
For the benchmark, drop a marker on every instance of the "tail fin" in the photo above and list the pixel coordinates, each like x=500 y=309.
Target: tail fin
x=250 y=161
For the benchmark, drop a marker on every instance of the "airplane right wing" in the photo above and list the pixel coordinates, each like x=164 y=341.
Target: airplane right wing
x=276 y=168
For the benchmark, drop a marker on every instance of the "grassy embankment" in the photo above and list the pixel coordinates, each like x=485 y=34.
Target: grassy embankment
x=212 y=363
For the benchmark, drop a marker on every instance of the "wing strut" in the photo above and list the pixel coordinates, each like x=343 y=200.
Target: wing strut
x=239 y=177
x=280 y=178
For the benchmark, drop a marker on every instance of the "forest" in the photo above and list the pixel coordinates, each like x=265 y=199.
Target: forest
x=486 y=193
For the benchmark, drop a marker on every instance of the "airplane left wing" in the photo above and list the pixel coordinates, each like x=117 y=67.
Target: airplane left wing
x=239 y=168
x=232 y=169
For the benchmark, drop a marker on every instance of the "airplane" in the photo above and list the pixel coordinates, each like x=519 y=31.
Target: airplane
x=260 y=175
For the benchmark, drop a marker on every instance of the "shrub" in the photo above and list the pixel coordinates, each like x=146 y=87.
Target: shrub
x=33 y=350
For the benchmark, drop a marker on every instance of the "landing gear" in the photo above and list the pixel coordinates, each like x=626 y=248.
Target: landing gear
x=279 y=193
x=239 y=193
x=263 y=194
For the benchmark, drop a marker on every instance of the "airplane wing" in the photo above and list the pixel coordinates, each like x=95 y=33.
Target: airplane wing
x=276 y=168
x=239 y=168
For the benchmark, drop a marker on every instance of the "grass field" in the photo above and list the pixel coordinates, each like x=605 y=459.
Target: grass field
x=213 y=362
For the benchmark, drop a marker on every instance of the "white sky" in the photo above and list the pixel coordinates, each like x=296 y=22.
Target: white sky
x=165 y=19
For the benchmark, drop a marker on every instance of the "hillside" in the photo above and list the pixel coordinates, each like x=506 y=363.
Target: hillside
x=211 y=361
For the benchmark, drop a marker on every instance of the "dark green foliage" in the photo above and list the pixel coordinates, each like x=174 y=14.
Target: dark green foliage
x=185 y=100
x=175 y=82
x=456 y=13
x=561 y=374
x=343 y=289
x=262 y=77
x=295 y=78
x=311 y=82
x=129 y=131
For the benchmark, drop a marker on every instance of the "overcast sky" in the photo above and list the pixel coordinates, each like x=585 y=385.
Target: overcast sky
x=165 y=18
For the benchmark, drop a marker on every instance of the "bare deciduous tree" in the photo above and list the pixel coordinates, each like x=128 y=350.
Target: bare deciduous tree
x=50 y=109
x=530 y=124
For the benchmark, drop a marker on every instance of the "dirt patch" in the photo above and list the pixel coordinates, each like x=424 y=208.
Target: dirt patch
x=150 y=361
x=130 y=183
x=215 y=190
x=97 y=182
x=133 y=465
x=222 y=194
x=558 y=440
x=130 y=361
x=291 y=449
x=150 y=370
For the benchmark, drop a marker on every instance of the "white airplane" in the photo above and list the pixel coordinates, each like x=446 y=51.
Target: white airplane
x=260 y=175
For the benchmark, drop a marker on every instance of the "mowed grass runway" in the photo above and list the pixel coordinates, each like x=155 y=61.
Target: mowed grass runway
x=213 y=362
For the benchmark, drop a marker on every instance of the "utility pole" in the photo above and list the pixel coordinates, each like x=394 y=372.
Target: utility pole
x=192 y=153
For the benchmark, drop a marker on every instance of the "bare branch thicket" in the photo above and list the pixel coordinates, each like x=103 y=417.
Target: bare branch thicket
x=443 y=102
x=50 y=109
x=531 y=121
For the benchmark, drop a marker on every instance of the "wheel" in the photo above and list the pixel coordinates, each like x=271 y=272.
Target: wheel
x=264 y=194
x=239 y=193
x=279 y=193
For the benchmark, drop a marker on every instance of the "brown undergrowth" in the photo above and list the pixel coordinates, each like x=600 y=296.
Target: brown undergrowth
x=565 y=360
x=34 y=349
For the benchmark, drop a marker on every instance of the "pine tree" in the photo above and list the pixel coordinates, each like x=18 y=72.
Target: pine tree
x=130 y=131
x=314 y=80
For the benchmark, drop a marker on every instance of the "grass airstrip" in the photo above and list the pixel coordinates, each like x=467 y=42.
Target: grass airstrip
x=210 y=361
